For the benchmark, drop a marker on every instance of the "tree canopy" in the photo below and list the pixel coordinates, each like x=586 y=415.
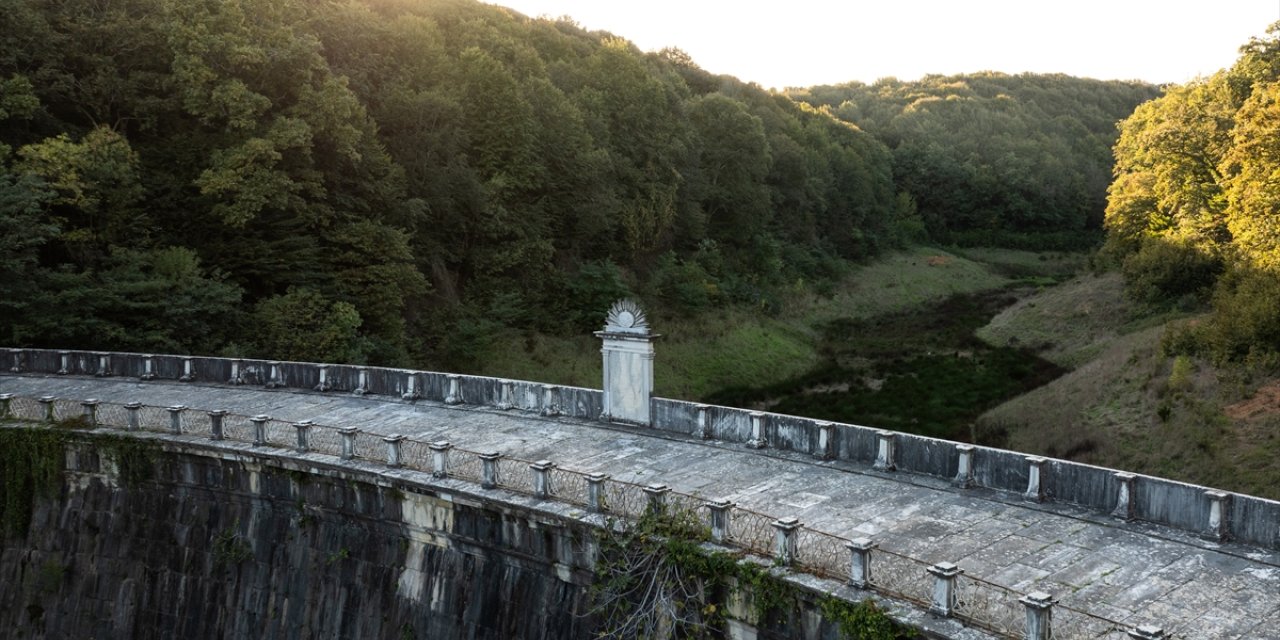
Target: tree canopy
x=988 y=154
x=1193 y=210
x=391 y=178
x=372 y=173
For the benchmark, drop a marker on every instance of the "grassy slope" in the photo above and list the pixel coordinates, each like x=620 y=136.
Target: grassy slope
x=1124 y=406
x=738 y=347
x=1069 y=324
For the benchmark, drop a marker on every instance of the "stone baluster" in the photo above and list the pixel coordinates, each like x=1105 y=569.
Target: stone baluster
x=785 y=545
x=826 y=441
x=657 y=493
x=275 y=380
x=48 y=402
x=148 y=367
x=133 y=423
x=455 y=393
x=550 y=400
x=860 y=562
x=595 y=492
x=91 y=411
x=719 y=512
x=944 y=588
x=1124 y=496
x=411 y=387
x=215 y=423
x=393 y=449
x=505 y=396
x=348 y=442
x=886 y=452
x=362 y=382
x=1219 y=505
x=18 y=361
x=303 y=428
x=541 y=471
x=175 y=419
x=489 y=469
x=323 y=385
x=1035 y=476
x=5 y=400
x=757 y=440
x=964 y=467
x=236 y=378
x=704 y=423
x=259 y=429
x=104 y=365
x=188 y=371
x=440 y=458
x=1039 y=606
x=65 y=358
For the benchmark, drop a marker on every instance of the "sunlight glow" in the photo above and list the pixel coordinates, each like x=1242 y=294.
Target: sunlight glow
x=807 y=42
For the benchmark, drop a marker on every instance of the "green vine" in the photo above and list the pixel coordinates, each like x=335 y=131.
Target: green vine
x=31 y=465
x=135 y=458
x=861 y=621
x=230 y=548
x=769 y=595
x=657 y=578
x=32 y=462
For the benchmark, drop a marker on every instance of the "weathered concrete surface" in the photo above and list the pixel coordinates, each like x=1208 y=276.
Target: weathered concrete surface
x=209 y=547
x=1138 y=574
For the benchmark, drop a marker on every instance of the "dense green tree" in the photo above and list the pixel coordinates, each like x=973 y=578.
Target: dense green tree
x=1194 y=205
x=156 y=300
x=403 y=177
x=303 y=325
x=992 y=152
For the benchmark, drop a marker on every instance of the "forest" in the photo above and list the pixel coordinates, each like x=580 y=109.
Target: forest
x=990 y=158
x=390 y=181
x=1193 y=216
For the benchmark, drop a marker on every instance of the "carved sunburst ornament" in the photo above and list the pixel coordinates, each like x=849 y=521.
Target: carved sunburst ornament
x=626 y=316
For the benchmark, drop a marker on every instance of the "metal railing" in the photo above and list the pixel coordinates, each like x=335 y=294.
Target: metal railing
x=989 y=606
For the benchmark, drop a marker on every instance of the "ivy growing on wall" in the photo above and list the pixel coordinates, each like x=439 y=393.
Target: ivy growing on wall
x=655 y=578
x=32 y=461
x=31 y=464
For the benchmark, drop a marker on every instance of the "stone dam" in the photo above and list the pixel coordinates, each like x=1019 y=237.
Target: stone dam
x=298 y=500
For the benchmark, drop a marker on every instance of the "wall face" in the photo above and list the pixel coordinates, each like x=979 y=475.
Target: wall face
x=628 y=377
x=224 y=548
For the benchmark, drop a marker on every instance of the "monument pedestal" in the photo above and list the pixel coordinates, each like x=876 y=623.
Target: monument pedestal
x=628 y=364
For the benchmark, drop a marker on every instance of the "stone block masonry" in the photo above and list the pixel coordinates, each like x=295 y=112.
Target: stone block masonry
x=220 y=540
x=915 y=525
x=224 y=545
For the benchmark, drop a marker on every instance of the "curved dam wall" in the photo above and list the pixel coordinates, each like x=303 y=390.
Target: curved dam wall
x=217 y=544
x=150 y=536
x=1217 y=515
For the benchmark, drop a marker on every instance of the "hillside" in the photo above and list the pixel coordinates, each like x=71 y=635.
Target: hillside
x=1129 y=404
x=715 y=350
x=405 y=181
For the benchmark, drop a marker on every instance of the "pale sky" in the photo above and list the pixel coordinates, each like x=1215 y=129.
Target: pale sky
x=807 y=42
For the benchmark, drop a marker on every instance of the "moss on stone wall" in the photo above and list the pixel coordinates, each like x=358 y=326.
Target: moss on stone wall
x=31 y=464
x=32 y=461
